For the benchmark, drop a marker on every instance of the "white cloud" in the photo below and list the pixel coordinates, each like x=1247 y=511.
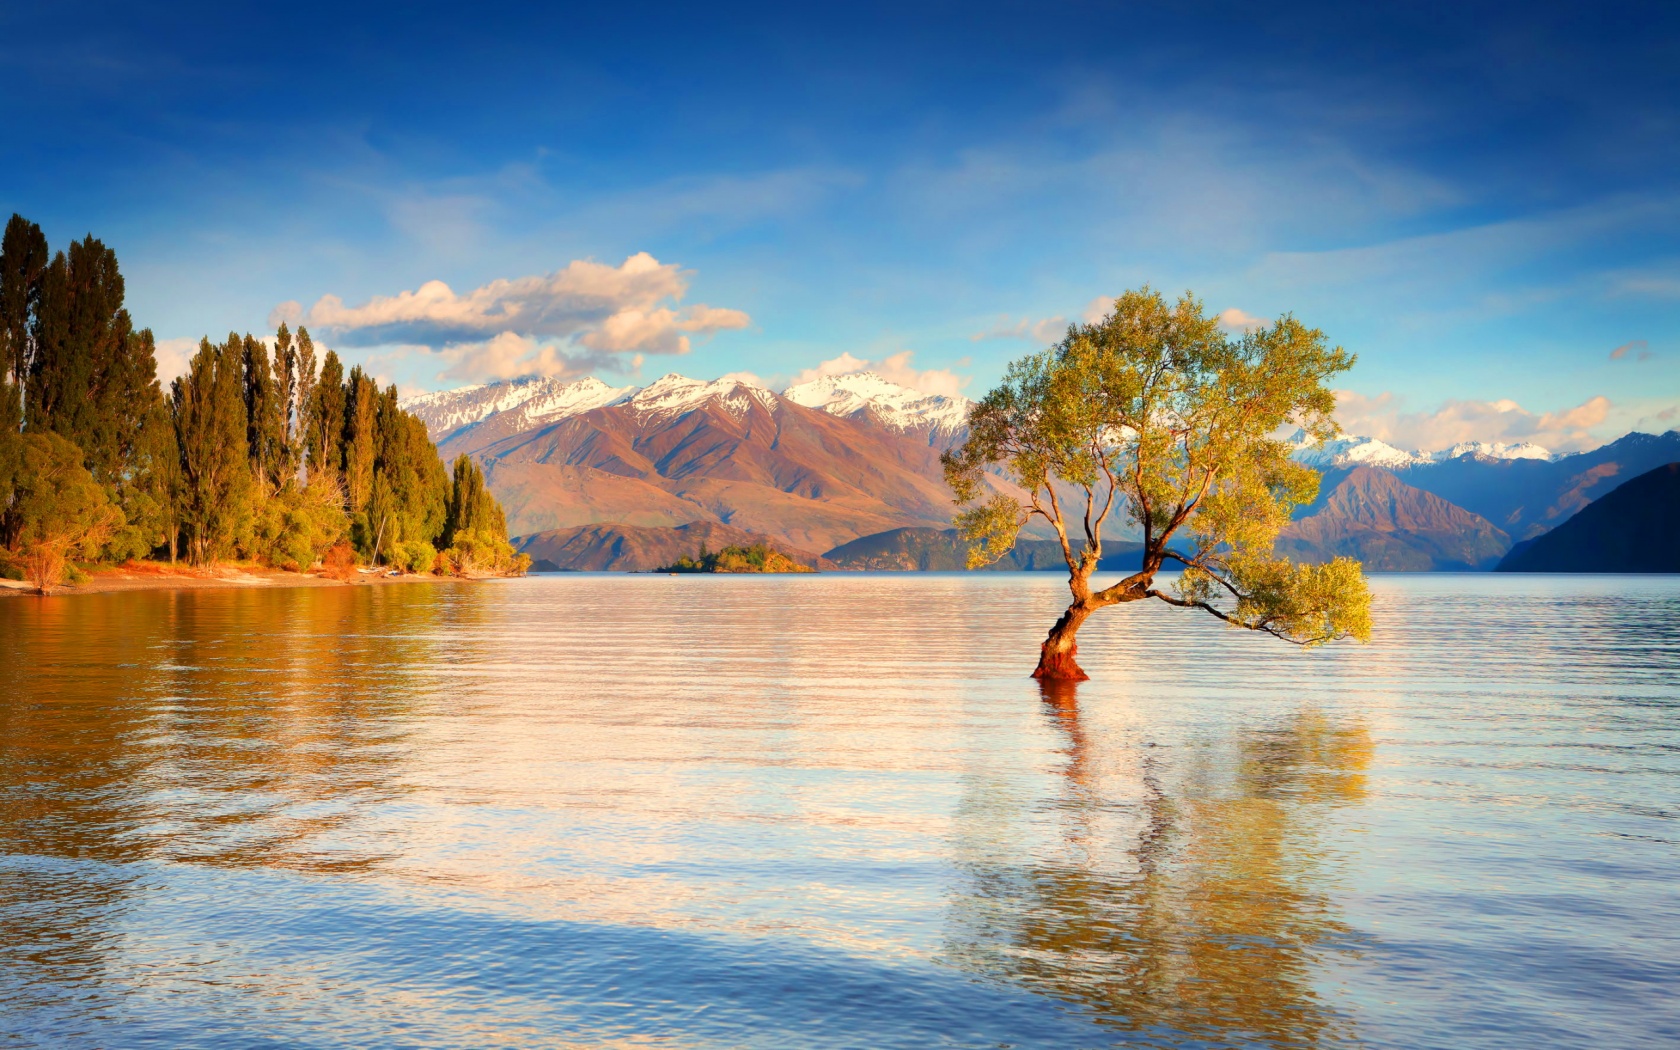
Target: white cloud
x=1048 y=330
x=749 y=378
x=172 y=356
x=1097 y=309
x=510 y=355
x=1235 y=320
x=895 y=368
x=607 y=309
x=1384 y=417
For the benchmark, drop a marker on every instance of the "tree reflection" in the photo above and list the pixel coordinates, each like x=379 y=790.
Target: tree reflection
x=1195 y=914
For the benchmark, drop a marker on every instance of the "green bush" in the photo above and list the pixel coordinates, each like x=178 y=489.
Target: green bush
x=413 y=556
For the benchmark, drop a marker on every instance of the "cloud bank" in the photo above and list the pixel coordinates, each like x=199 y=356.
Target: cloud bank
x=895 y=368
x=1047 y=330
x=1384 y=417
x=585 y=316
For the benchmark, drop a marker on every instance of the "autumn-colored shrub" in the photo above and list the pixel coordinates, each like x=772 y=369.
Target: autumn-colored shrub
x=339 y=562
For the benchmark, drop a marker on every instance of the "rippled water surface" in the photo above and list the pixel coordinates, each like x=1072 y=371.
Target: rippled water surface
x=832 y=811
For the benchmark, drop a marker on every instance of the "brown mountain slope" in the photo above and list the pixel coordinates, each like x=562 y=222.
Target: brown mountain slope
x=1392 y=527
x=763 y=464
x=630 y=548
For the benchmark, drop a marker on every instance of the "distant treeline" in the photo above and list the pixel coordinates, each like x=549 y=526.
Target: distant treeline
x=272 y=457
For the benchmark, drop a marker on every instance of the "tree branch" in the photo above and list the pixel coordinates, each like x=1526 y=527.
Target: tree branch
x=1262 y=626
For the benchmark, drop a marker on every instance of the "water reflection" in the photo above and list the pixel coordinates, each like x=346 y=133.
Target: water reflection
x=1197 y=909
x=242 y=731
x=831 y=812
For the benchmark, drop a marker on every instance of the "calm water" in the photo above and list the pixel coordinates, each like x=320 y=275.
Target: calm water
x=832 y=811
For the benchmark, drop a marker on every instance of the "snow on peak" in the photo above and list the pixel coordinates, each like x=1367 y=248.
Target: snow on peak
x=1353 y=452
x=533 y=400
x=674 y=394
x=1496 y=450
x=449 y=410
x=1366 y=451
x=899 y=407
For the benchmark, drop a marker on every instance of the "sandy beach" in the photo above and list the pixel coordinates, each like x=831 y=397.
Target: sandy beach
x=148 y=576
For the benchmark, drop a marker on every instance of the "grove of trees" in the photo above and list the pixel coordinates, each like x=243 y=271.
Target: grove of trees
x=274 y=456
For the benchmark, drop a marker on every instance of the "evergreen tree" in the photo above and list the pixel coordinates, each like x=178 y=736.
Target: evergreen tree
x=142 y=483
x=208 y=409
x=304 y=397
x=471 y=506
x=325 y=445
x=285 y=365
x=89 y=378
x=409 y=498
x=361 y=419
x=264 y=418
x=23 y=258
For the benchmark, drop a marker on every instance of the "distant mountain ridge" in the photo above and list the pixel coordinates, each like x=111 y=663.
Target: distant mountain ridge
x=1633 y=528
x=840 y=458
x=532 y=402
x=1370 y=514
x=1353 y=451
x=682 y=450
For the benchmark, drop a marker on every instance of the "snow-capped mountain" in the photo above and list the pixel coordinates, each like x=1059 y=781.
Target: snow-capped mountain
x=1496 y=450
x=672 y=395
x=898 y=407
x=1370 y=452
x=525 y=404
x=448 y=410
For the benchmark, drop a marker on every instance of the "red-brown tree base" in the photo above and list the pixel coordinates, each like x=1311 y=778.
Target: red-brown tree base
x=1059 y=665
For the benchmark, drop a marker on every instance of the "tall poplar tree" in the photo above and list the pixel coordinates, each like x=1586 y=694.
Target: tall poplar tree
x=208 y=409
x=23 y=258
x=304 y=397
x=285 y=366
x=325 y=444
x=361 y=408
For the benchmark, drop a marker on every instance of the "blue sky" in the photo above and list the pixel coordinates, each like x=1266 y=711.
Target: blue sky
x=1482 y=201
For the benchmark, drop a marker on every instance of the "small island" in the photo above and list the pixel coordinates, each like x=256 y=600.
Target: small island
x=757 y=558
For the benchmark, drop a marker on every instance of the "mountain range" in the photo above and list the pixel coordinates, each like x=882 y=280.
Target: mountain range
x=1635 y=528
x=844 y=459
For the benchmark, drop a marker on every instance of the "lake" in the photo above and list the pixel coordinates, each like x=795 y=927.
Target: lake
x=834 y=811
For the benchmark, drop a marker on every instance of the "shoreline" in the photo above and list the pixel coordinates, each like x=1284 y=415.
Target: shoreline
x=151 y=577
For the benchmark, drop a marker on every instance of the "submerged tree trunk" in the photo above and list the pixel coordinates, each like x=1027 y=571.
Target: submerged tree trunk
x=1057 y=657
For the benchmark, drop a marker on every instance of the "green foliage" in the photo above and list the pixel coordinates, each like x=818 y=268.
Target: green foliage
x=295 y=528
x=472 y=552
x=253 y=454
x=471 y=506
x=207 y=406
x=756 y=558
x=1156 y=412
x=414 y=556
x=360 y=437
x=324 y=419
x=61 y=511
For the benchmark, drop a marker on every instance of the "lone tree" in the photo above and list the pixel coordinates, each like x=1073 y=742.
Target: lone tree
x=1155 y=411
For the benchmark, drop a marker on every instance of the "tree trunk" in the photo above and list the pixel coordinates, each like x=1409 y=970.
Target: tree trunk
x=1056 y=658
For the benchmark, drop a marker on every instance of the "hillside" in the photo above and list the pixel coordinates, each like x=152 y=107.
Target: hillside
x=1633 y=528
x=1369 y=514
x=630 y=548
x=1522 y=489
x=941 y=550
x=844 y=458
x=683 y=451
